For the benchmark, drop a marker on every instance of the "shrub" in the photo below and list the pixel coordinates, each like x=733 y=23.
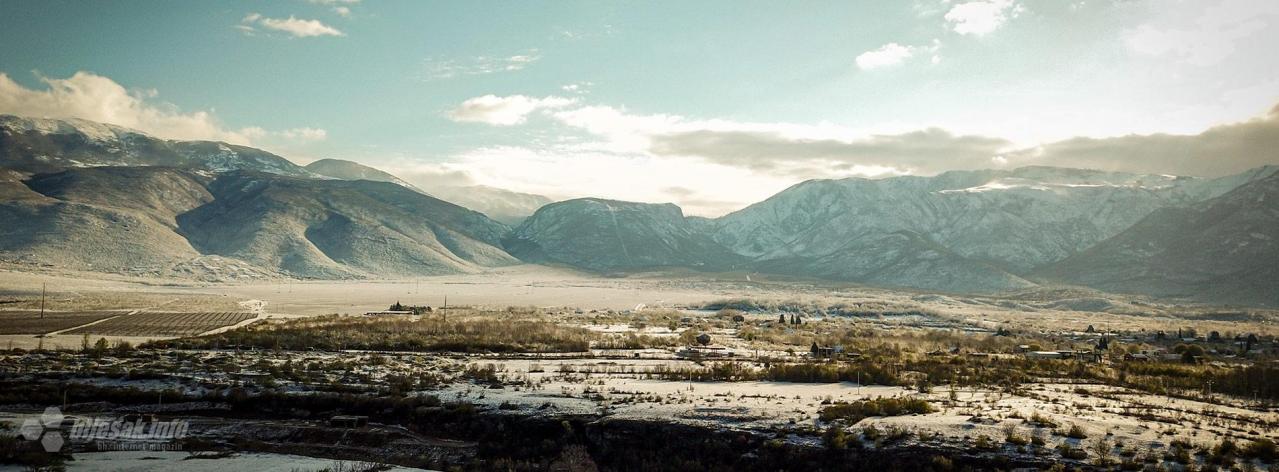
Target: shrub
x=1076 y=432
x=1263 y=449
x=859 y=410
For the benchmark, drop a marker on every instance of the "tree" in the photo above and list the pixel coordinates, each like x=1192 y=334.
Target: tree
x=101 y=346
x=1189 y=352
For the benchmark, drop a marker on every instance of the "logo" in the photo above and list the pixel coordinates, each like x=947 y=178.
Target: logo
x=106 y=433
x=46 y=429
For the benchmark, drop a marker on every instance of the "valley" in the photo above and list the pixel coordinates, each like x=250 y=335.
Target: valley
x=612 y=361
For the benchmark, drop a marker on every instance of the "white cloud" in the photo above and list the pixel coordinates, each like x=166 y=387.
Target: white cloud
x=293 y=26
x=440 y=69
x=342 y=11
x=504 y=111
x=1206 y=35
x=89 y=96
x=659 y=157
x=981 y=17
x=560 y=174
x=893 y=54
x=890 y=54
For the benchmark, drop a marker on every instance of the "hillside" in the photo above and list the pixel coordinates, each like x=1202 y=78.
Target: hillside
x=605 y=235
x=38 y=145
x=1223 y=250
x=505 y=206
x=348 y=170
x=336 y=229
x=964 y=230
x=171 y=222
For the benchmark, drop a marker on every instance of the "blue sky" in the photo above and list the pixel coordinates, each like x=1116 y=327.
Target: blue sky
x=711 y=105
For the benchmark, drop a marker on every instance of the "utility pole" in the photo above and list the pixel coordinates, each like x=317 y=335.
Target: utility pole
x=43 y=291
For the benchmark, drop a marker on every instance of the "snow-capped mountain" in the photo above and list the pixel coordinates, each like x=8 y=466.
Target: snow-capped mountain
x=505 y=206
x=41 y=145
x=348 y=170
x=1225 y=249
x=1010 y=221
x=605 y=235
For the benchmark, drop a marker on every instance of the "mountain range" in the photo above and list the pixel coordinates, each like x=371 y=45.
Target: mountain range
x=90 y=196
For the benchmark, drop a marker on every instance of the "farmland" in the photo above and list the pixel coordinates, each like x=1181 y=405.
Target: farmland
x=163 y=324
x=30 y=322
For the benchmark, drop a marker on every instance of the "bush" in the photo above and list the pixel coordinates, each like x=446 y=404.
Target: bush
x=1263 y=449
x=859 y=410
x=1076 y=432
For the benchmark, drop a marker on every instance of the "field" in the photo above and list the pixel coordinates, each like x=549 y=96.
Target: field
x=30 y=322
x=164 y=324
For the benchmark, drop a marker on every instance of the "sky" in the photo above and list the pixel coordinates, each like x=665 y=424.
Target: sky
x=711 y=105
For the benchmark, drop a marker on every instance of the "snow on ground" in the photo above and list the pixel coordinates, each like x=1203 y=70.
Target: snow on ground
x=146 y=461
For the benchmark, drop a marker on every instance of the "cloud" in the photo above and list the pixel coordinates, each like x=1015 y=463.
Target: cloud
x=504 y=111
x=89 y=96
x=981 y=17
x=1217 y=151
x=441 y=69
x=561 y=174
x=293 y=26
x=893 y=54
x=342 y=11
x=296 y=134
x=778 y=154
x=920 y=152
x=1205 y=35
x=890 y=54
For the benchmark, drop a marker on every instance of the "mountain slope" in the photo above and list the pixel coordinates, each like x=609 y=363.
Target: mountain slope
x=338 y=229
x=993 y=225
x=38 y=145
x=508 y=207
x=505 y=206
x=604 y=235
x=105 y=219
x=348 y=170
x=1225 y=249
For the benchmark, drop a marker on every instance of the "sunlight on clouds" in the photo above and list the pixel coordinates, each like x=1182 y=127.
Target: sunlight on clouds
x=89 y=96
x=893 y=54
x=709 y=189
x=890 y=54
x=504 y=111
x=981 y=17
x=293 y=26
